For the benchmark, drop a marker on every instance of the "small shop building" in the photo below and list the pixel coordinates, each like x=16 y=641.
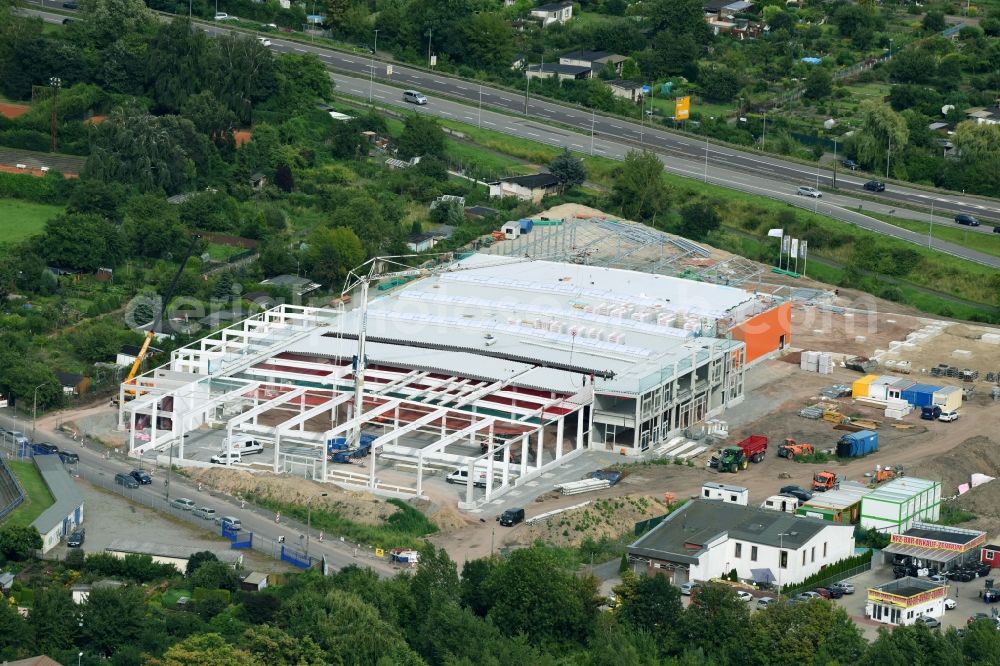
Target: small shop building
x=936 y=546
x=902 y=601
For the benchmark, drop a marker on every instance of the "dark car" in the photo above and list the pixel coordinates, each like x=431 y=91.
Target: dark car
x=69 y=4
x=75 y=540
x=126 y=480
x=69 y=458
x=982 y=569
x=996 y=230
x=967 y=220
x=823 y=592
x=875 y=186
x=797 y=492
x=850 y=164
x=835 y=592
x=511 y=517
x=141 y=476
x=991 y=596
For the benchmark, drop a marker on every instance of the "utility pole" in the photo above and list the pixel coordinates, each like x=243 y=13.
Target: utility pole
x=593 y=119
x=527 y=87
x=430 y=35
x=371 y=83
x=480 y=105
x=888 y=153
x=55 y=83
x=706 y=159
x=34 y=410
x=930 y=227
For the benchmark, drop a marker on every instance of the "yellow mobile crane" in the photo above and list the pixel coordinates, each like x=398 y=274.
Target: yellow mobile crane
x=130 y=394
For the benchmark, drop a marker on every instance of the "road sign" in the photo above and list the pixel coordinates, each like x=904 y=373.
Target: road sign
x=388 y=70
x=379 y=552
x=682 y=111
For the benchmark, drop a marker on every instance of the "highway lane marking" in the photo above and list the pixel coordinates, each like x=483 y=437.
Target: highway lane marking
x=531 y=134
x=446 y=113
x=300 y=50
x=486 y=122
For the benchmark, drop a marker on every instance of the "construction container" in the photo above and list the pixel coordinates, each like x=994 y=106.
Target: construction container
x=856 y=444
x=920 y=395
x=894 y=506
x=948 y=398
x=894 y=391
x=859 y=389
x=526 y=225
x=511 y=230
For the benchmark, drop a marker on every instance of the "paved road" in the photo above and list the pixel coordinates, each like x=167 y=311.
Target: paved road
x=259 y=522
x=503 y=111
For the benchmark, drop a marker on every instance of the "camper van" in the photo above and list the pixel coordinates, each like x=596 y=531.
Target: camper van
x=781 y=503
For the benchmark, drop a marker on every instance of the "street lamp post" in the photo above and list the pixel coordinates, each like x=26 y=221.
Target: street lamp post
x=371 y=83
x=706 y=159
x=55 y=83
x=79 y=658
x=593 y=119
x=834 y=164
x=930 y=227
x=888 y=155
x=34 y=410
x=309 y=519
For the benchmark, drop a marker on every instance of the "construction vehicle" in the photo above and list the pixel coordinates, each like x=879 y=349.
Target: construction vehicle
x=883 y=474
x=790 y=449
x=823 y=481
x=750 y=450
x=130 y=394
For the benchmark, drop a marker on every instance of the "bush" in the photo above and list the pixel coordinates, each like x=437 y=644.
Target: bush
x=51 y=189
x=829 y=573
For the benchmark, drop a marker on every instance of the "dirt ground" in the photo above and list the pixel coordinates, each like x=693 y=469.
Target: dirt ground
x=610 y=517
x=12 y=111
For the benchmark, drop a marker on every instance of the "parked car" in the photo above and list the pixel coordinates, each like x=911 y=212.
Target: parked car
x=142 y=476
x=939 y=579
x=849 y=164
x=797 y=492
x=69 y=458
x=226 y=457
x=844 y=586
x=996 y=230
x=950 y=604
x=823 y=592
x=808 y=596
x=230 y=523
x=511 y=517
x=264 y=41
x=991 y=596
x=223 y=16
x=875 y=186
x=976 y=617
x=835 y=592
x=982 y=569
x=182 y=503
x=688 y=588
x=928 y=621
x=947 y=417
x=806 y=191
x=764 y=602
x=206 y=512
x=75 y=539
x=44 y=448
x=126 y=480
x=967 y=220
x=743 y=595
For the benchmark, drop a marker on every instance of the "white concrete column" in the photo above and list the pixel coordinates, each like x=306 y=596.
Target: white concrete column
x=470 y=482
x=560 y=424
x=152 y=423
x=524 y=453
x=131 y=432
x=579 y=427
x=420 y=471
x=489 y=461
x=277 y=449
x=538 y=450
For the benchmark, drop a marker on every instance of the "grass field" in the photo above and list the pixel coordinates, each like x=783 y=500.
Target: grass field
x=22 y=219
x=946 y=229
x=37 y=495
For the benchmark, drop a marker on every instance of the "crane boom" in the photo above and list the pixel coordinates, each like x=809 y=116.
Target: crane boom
x=141 y=356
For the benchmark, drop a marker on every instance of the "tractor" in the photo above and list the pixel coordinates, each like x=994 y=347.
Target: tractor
x=791 y=448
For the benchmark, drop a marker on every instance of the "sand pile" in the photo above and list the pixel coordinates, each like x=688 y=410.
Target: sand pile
x=609 y=517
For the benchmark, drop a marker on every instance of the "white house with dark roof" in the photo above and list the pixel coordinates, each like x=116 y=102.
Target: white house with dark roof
x=549 y=70
x=527 y=188
x=595 y=61
x=705 y=539
x=553 y=12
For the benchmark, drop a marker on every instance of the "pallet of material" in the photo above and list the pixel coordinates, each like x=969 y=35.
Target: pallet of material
x=674 y=442
x=584 y=486
x=693 y=454
x=683 y=445
x=690 y=444
x=848 y=427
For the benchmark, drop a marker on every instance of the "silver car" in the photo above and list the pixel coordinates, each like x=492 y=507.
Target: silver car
x=206 y=512
x=182 y=503
x=764 y=602
x=807 y=191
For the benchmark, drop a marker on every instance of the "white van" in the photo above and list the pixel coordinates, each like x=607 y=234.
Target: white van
x=413 y=97
x=461 y=475
x=243 y=444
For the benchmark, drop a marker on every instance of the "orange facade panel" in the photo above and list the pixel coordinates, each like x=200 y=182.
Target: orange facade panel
x=767 y=332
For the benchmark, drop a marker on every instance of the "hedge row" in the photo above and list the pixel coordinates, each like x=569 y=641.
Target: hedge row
x=50 y=189
x=864 y=560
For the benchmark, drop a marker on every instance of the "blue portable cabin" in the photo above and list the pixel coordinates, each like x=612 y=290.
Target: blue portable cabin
x=920 y=395
x=856 y=444
x=527 y=224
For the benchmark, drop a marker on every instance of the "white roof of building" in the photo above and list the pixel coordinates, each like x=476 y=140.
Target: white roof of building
x=899 y=490
x=847 y=494
x=539 y=311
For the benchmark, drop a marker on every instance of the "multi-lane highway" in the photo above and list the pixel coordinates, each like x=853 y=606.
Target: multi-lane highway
x=368 y=78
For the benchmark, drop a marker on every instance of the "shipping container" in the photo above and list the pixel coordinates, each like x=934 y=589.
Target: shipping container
x=859 y=389
x=895 y=390
x=856 y=444
x=948 y=398
x=920 y=395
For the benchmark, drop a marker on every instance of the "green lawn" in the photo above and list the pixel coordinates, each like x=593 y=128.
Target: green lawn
x=22 y=219
x=38 y=498
x=946 y=229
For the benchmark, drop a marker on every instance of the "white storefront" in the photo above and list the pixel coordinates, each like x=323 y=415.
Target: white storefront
x=904 y=600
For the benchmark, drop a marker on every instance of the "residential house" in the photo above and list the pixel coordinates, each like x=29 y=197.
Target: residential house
x=987 y=116
x=562 y=72
x=422 y=242
x=518 y=62
x=594 y=60
x=299 y=286
x=553 y=12
x=72 y=384
x=40 y=660
x=527 y=188
x=258 y=181
x=706 y=538
x=216 y=319
x=255 y=581
x=719 y=16
x=261 y=299
x=629 y=90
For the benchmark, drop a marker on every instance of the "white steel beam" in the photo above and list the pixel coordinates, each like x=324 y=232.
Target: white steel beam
x=298 y=419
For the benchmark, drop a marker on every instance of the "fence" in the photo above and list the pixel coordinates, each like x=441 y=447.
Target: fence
x=810 y=583
x=10 y=489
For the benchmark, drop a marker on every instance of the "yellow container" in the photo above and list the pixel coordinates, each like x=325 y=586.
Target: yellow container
x=859 y=389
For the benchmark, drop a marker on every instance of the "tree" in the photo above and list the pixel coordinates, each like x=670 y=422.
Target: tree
x=331 y=253
x=283 y=178
x=489 y=42
x=301 y=81
x=199 y=558
x=19 y=542
x=53 y=619
x=698 y=220
x=421 y=136
x=534 y=594
x=651 y=603
x=178 y=64
x=96 y=198
x=96 y=341
x=14 y=632
x=785 y=635
x=152 y=228
x=819 y=83
x=718 y=622
x=719 y=83
x=851 y=19
x=679 y=17
x=473 y=590
x=80 y=241
x=881 y=129
x=568 y=169
x=245 y=73
x=914 y=65
x=639 y=190
x=934 y=21
x=208 y=650
x=276 y=259
x=212 y=118
x=109 y=20
x=113 y=618
x=214 y=575
x=675 y=55
x=273 y=646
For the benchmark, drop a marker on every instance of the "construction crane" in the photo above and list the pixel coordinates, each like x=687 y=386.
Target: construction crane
x=141 y=356
x=374 y=270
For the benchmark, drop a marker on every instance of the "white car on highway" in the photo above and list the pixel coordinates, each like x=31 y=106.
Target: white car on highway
x=264 y=41
x=806 y=191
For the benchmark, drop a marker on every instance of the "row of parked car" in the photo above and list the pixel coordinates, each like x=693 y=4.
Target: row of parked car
x=206 y=513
